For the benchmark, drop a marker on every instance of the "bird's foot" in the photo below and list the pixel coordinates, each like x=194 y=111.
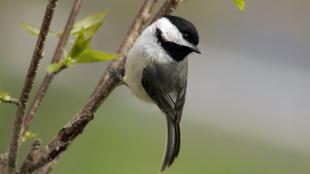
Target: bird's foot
x=117 y=75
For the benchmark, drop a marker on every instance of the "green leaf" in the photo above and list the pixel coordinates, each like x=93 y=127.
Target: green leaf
x=81 y=43
x=83 y=39
x=35 y=31
x=54 y=67
x=88 y=22
x=68 y=61
x=91 y=31
x=89 y=56
x=240 y=4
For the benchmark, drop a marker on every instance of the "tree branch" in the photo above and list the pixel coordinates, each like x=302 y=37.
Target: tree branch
x=56 y=58
x=37 y=55
x=107 y=83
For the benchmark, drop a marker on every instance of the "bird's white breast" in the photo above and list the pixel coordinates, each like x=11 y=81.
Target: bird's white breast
x=145 y=51
x=133 y=73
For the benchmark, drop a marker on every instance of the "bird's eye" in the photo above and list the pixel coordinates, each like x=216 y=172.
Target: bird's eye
x=185 y=35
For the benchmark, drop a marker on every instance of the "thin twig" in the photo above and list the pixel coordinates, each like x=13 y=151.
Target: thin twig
x=37 y=56
x=106 y=85
x=10 y=101
x=56 y=58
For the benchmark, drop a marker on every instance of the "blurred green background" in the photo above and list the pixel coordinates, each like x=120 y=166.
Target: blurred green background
x=248 y=99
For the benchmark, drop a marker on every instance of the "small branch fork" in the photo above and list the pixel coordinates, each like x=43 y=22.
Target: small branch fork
x=37 y=56
x=41 y=160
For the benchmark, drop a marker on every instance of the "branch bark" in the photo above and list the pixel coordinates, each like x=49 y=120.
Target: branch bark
x=75 y=127
x=37 y=56
x=56 y=58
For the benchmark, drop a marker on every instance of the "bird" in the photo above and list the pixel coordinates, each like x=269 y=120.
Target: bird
x=156 y=71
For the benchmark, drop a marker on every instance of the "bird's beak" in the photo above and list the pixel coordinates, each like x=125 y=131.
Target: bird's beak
x=196 y=49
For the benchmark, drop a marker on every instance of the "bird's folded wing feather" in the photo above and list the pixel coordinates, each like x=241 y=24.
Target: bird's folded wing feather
x=166 y=85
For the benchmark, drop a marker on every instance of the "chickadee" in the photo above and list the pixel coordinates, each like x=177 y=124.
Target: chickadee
x=156 y=71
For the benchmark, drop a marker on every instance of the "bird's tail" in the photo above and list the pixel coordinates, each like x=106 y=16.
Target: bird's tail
x=173 y=143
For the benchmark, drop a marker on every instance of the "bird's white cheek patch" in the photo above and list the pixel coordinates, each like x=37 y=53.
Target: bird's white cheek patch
x=171 y=33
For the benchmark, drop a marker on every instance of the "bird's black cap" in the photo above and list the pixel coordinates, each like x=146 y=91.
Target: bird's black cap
x=187 y=29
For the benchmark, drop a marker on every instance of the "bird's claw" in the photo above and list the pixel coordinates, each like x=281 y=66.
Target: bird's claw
x=117 y=75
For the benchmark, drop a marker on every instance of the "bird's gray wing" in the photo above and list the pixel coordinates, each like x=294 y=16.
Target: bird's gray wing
x=166 y=85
